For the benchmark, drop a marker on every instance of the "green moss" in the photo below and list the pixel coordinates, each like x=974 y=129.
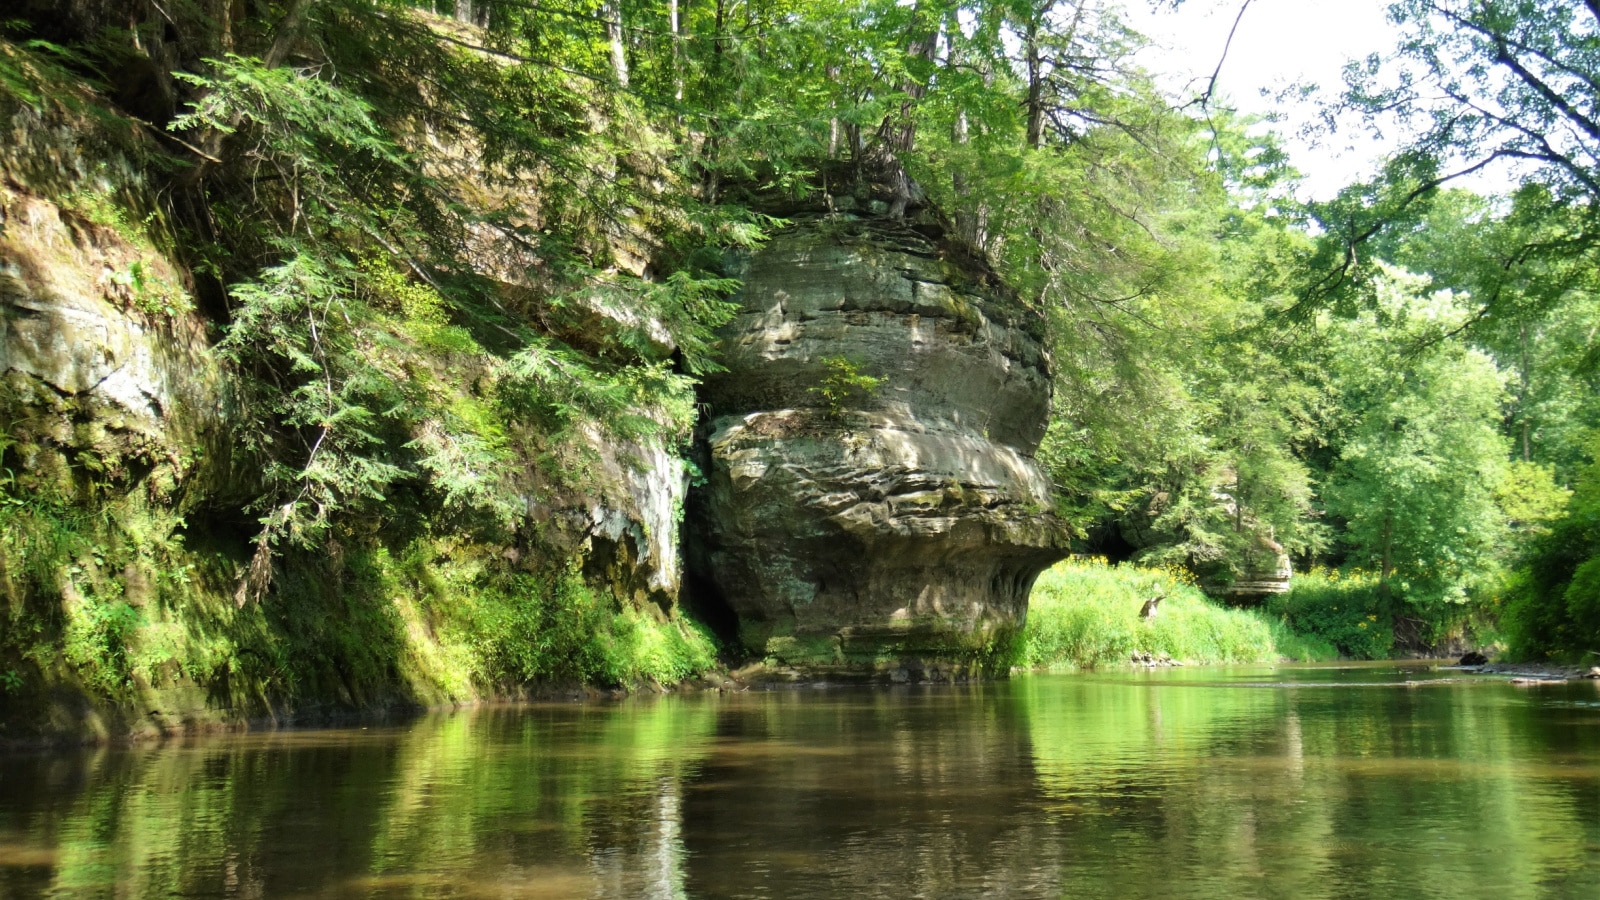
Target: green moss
x=810 y=650
x=121 y=608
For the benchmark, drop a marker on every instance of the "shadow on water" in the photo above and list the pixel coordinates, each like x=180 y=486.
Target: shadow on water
x=1191 y=783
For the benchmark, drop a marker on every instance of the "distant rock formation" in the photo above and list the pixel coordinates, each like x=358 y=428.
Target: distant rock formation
x=1259 y=574
x=871 y=504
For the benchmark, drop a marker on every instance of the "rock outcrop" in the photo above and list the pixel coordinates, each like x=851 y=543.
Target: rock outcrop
x=124 y=492
x=1262 y=574
x=103 y=371
x=872 y=505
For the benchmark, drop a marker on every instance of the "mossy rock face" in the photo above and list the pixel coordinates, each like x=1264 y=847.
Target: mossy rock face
x=107 y=380
x=127 y=516
x=896 y=537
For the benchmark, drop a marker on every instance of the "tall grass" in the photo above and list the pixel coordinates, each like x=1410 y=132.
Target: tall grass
x=1085 y=613
x=119 y=602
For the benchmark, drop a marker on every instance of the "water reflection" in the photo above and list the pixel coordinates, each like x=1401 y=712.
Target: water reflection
x=1323 y=789
x=905 y=792
x=1195 y=783
x=543 y=801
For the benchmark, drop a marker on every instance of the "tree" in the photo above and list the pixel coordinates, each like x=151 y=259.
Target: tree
x=1422 y=455
x=1553 y=604
x=1531 y=306
x=1472 y=85
x=1483 y=81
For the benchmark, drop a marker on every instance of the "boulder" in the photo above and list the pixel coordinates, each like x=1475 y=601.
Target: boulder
x=871 y=503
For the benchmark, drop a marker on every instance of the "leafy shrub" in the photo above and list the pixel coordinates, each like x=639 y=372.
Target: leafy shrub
x=844 y=387
x=1299 y=646
x=1346 y=609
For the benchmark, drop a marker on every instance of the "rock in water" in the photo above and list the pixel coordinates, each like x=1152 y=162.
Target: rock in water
x=871 y=500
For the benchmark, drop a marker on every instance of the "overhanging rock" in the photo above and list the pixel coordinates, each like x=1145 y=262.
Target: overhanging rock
x=898 y=532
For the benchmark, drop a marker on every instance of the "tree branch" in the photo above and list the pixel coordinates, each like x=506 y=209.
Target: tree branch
x=1504 y=57
x=288 y=32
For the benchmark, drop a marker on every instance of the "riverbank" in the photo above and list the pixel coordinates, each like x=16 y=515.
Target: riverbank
x=181 y=711
x=1537 y=670
x=1085 y=614
x=376 y=632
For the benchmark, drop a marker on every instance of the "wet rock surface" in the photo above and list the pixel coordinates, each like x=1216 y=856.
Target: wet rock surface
x=895 y=533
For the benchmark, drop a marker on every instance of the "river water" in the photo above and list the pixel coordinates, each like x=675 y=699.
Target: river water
x=1369 y=781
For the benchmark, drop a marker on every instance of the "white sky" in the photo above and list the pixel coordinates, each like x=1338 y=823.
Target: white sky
x=1279 y=43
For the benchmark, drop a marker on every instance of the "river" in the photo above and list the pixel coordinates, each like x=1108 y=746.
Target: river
x=1353 y=781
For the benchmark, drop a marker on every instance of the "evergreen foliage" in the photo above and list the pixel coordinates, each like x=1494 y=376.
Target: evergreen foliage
x=844 y=387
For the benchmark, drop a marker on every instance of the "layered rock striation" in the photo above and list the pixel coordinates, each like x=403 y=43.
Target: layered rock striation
x=871 y=504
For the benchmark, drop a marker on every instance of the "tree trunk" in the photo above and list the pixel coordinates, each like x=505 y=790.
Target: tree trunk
x=966 y=218
x=617 y=39
x=969 y=215
x=211 y=141
x=708 y=155
x=288 y=34
x=1035 y=101
x=897 y=134
x=677 y=51
x=1036 y=64
x=1522 y=400
x=833 y=123
x=1238 y=504
x=1386 y=563
x=473 y=12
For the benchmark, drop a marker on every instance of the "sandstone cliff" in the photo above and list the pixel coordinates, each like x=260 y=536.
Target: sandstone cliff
x=126 y=516
x=871 y=504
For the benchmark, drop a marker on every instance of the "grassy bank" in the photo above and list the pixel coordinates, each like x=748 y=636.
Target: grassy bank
x=1350 y=610
x=122 y=623
x=1085 y=613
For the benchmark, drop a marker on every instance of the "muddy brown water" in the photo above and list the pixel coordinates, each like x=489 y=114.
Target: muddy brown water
x=1368 y=781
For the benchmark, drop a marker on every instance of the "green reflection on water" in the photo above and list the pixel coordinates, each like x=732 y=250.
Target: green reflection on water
x=1358 y=786
x=1374 y=781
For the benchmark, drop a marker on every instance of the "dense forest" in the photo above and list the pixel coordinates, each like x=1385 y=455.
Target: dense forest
x=1394 y=388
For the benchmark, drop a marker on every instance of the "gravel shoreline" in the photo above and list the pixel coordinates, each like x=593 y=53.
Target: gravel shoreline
x=1537 y=671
